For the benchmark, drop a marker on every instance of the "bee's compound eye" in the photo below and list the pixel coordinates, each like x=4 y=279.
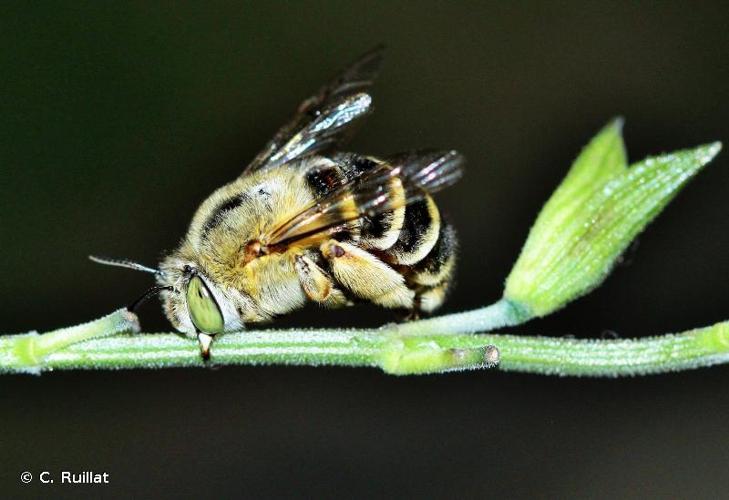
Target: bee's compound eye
x=204 y=311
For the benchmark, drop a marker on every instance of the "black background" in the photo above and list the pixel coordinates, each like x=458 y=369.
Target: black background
x=116 y=121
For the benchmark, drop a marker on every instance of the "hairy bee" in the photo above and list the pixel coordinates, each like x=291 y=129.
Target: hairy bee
x=305 y=222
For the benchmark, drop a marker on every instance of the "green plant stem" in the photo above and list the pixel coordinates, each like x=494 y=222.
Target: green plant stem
x=387 y=348
x=484 y=319
x=27 y=352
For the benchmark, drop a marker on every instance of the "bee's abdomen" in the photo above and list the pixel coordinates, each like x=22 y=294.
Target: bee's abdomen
x=411 y=238
x=404 y=235
x=419 y=233
x=323 y=181
x=439 y=263
x=432 y=277
x=380 y=231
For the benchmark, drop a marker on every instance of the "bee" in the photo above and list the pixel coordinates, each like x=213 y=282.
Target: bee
x=307 y=222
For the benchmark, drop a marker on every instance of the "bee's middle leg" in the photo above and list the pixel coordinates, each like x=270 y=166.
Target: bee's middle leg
x=317 y=285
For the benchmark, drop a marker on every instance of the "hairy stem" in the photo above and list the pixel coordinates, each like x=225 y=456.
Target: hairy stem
x=484 y=319
x=99 y=345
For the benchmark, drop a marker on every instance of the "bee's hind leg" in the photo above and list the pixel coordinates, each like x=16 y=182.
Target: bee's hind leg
x=429 y=299
x=365 y=276
x=406 y=315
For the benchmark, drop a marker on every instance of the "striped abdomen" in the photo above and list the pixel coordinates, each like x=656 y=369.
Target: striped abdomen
x=412 y=239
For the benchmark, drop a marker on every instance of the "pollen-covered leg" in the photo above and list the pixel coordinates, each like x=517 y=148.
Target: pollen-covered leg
x=366 y=276
x=317 y=285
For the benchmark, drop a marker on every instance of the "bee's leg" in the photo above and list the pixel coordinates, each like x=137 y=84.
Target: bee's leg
x=433 y=297
x=366 y=276
x=317 y=285
x=409 y=314
x=427 y=300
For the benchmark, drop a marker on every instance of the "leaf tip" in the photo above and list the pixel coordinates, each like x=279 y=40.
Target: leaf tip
x=617 y=124
x=705 y=153
x=713 y=149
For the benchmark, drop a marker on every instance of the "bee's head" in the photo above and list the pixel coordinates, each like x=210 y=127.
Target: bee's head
x=193 y=302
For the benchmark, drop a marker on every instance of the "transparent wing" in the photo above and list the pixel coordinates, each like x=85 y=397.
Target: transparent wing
x=324 y=119
x=370 y=193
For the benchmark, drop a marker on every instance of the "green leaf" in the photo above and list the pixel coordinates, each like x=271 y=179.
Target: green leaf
x=601 y=160
x=592 y=217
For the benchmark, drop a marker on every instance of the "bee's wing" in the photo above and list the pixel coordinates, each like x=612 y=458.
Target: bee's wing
x=369 y=194
x=323 y=120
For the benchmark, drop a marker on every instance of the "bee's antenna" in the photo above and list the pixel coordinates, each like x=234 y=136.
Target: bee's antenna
x=128 y=264
x=145 y=296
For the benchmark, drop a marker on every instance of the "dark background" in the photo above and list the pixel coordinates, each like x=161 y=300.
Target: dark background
x=116 y=121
